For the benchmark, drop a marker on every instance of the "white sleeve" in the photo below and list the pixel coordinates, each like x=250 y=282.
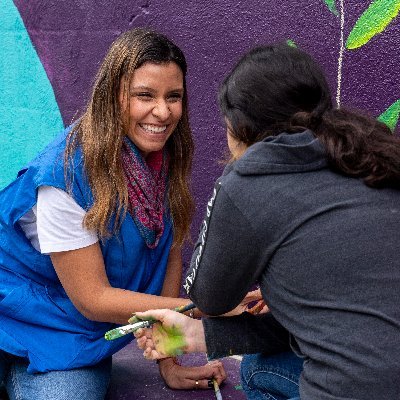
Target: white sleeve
x=60 y=222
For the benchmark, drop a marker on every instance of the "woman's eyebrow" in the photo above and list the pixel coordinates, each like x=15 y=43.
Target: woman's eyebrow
x=177 y=89
x=143 y=88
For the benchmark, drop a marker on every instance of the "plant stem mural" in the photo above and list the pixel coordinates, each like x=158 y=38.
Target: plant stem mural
x=372 y=22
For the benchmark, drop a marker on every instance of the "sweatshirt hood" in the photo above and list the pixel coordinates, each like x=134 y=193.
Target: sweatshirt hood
x=285 y=153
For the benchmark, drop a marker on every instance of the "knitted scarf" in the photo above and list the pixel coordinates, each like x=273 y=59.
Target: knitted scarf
x=147 y=183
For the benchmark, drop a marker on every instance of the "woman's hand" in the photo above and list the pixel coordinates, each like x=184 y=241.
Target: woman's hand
x=174 y=334
x=179 y=377
x=250 y=297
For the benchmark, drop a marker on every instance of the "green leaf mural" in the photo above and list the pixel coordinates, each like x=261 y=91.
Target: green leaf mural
x=29 y=114
x=332 y=6
x=391 y=116
x=373 y=21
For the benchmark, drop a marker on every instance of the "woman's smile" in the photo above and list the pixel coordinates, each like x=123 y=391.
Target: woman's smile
x=153 y=128
x=151 y=101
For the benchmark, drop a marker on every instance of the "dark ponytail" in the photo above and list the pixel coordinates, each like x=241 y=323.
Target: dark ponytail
x=362 y=147
x=280 y=88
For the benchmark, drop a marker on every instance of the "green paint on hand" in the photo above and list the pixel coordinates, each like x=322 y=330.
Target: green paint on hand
x=332 y=6
x=169 y=341
x=291 y=43
x=373 y=21
x=390 y=117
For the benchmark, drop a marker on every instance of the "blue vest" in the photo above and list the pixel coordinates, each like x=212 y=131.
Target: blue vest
x=37 y=319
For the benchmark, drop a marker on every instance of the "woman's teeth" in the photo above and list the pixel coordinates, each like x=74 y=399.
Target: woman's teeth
x=153 y=128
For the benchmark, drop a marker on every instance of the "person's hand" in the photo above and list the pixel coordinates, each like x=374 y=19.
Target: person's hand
x=250 y=297
x=179 y=377
x=174 y=334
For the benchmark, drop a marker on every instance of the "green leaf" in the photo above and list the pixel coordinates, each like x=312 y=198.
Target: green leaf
x=291 y=43
x=332 y=6
x=373 y=21
x=391 y=116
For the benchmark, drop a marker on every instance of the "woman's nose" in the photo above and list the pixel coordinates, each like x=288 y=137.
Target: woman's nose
x=161 y=110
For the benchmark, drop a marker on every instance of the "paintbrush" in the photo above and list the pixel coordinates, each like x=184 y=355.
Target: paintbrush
x=132 y=327
x=181 y=309
x=218 y=394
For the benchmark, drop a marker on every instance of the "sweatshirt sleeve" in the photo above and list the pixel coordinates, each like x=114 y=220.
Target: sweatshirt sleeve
x=225 y=263
x=244 y=334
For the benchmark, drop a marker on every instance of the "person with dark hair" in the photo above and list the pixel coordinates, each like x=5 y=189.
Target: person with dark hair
x=308 y=208
x=92 y=228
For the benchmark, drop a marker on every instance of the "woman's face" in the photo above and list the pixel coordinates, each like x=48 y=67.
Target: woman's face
x=152 y=105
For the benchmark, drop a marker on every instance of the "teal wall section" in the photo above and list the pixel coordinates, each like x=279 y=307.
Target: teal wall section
x=25 y=91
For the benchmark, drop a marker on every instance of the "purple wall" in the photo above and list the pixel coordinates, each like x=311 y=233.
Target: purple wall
x=71 y=37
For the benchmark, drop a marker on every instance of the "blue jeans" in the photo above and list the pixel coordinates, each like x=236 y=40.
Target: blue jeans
x=274 y=377
x=89 y=383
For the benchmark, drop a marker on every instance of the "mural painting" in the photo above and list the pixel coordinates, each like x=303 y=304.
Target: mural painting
x=51 y=50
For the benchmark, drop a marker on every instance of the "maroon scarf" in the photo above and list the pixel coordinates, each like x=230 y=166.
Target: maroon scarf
x=147 y=185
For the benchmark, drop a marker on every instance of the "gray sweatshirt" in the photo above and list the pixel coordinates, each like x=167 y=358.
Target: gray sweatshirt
x=324 y=249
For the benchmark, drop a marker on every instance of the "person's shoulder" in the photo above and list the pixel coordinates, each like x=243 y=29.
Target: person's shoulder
x=230 y=178
x=50 y=163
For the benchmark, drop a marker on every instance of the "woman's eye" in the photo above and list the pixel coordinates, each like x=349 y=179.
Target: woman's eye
x=144 y=96
x=174 y=97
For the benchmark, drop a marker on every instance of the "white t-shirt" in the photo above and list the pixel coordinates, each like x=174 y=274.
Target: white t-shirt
x=55 y=223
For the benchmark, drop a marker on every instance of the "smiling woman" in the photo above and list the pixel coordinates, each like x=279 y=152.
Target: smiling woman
x=152 y=104
x=92 y=229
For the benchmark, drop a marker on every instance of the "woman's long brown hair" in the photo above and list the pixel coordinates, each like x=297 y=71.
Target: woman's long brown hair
x=101 y=129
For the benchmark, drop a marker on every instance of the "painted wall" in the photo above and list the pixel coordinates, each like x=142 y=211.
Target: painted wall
x=50 y=50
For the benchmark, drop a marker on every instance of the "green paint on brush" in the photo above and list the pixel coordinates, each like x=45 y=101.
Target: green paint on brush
x=169 y=341
x=373 y=21
x=390 y=117
x=126 y=329
x=238 y=387
x=136 y=323
x=134 y=319
x=332 y=6
x=291 y=43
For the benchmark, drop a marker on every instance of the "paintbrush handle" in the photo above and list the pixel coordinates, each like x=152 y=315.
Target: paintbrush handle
x=135 y=324
x=218 y=394
x=180 y=309
x=183 y=309
x=124 y=330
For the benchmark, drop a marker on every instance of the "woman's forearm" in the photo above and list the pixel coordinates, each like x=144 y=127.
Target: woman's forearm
x=173 y=275
x=195 y=339
x=118 y=305
x=83 y=276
